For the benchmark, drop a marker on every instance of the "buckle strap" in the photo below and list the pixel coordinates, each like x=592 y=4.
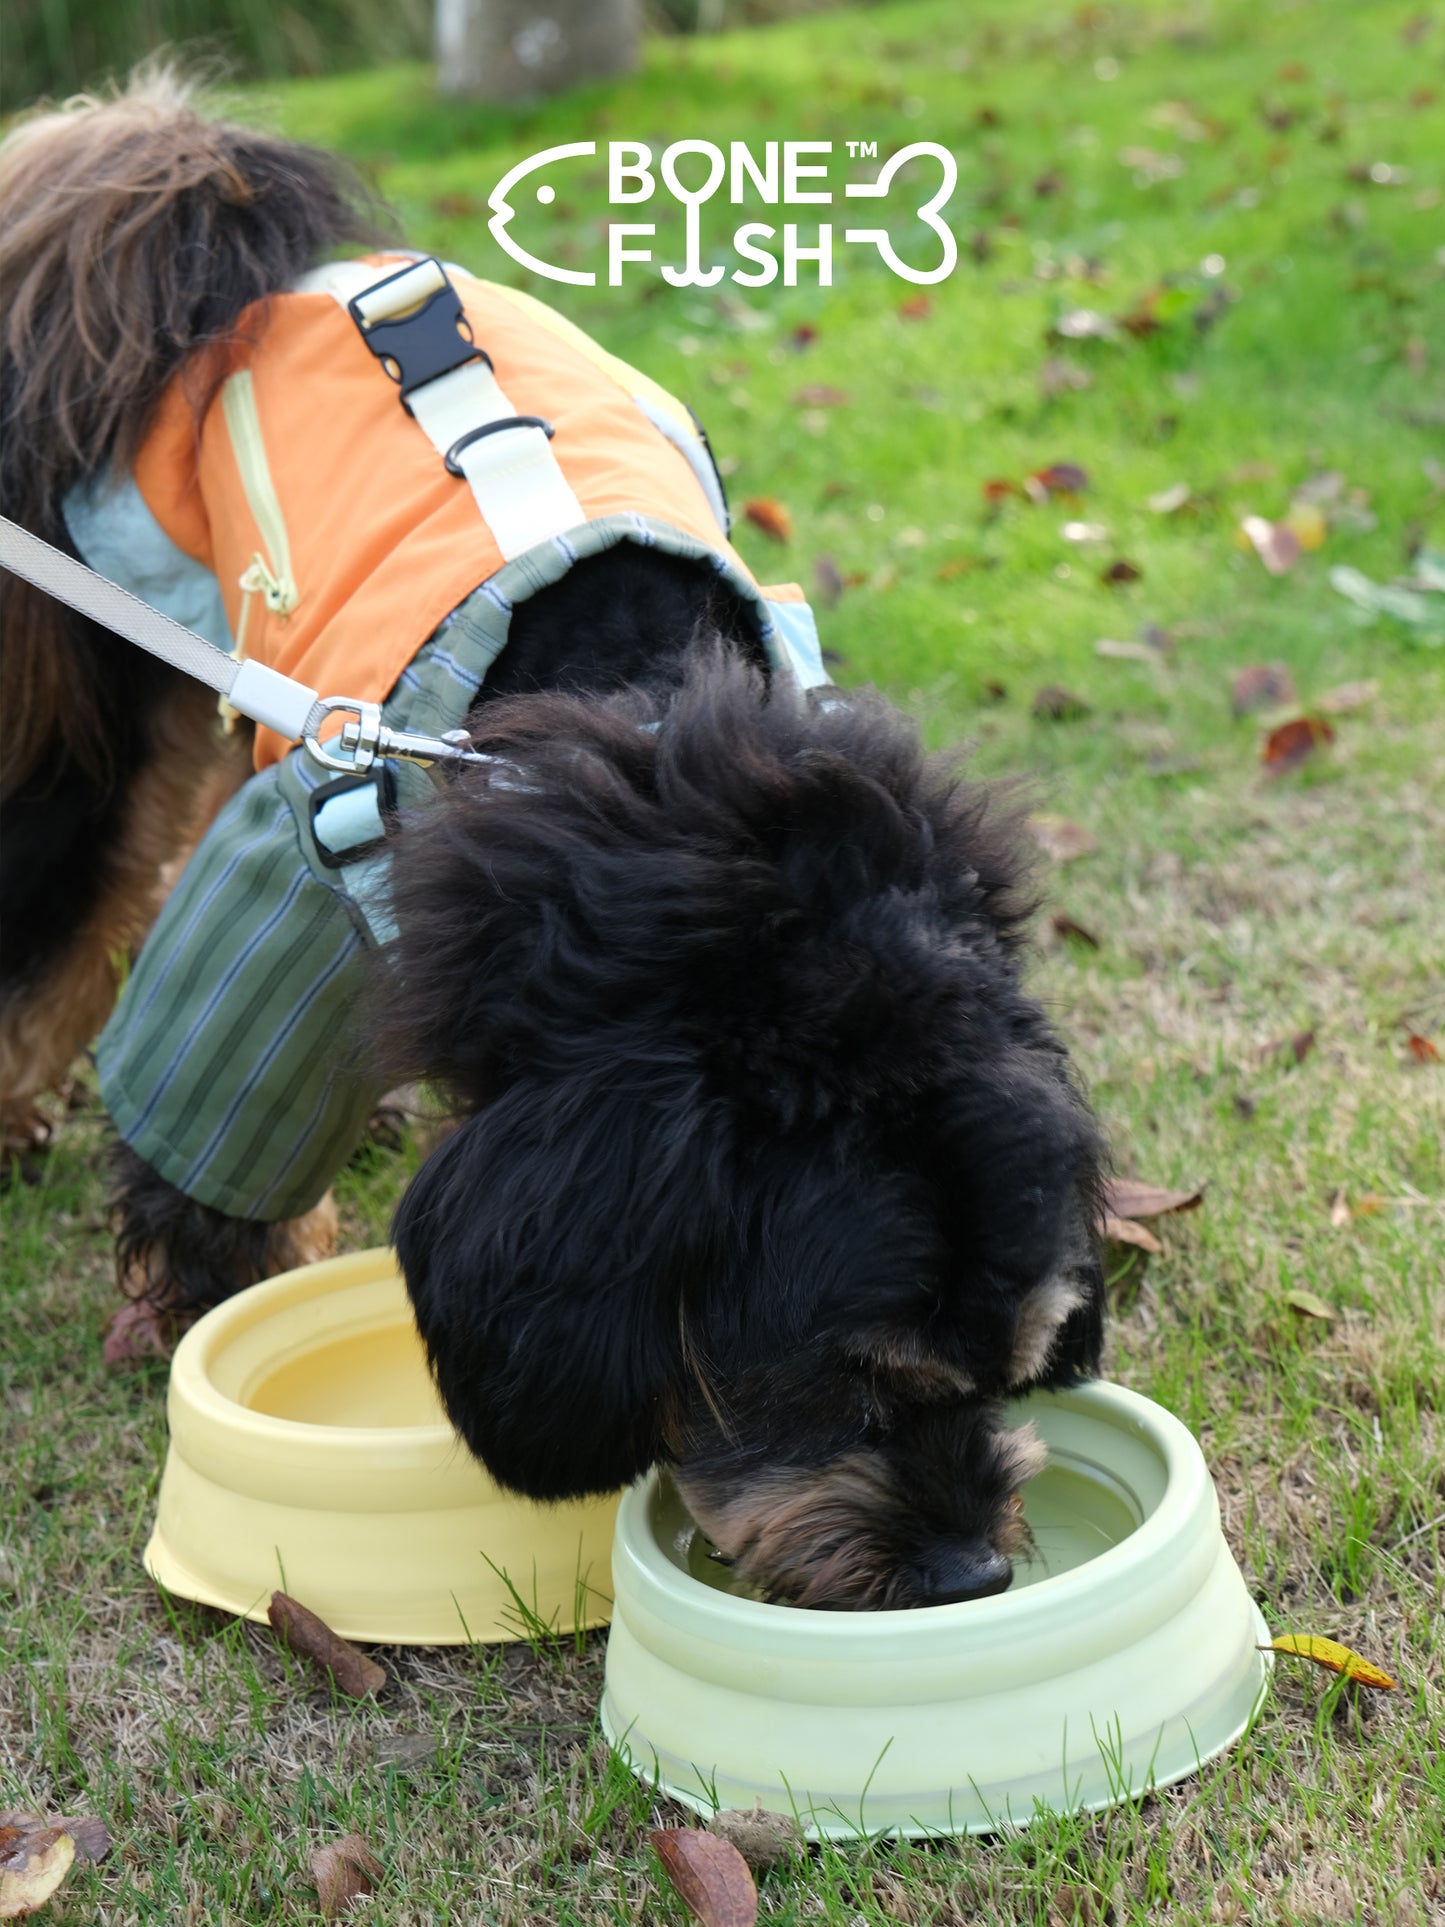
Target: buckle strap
x=414 y=348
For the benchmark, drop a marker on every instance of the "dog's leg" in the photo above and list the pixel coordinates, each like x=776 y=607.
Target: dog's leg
x=175 y=1258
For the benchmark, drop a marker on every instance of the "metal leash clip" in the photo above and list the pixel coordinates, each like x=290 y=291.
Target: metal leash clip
x=367 y=737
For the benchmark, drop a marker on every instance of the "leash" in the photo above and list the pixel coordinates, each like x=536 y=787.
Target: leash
x=265 y=695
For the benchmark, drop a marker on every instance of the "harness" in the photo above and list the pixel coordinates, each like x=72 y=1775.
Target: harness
x=330 y=532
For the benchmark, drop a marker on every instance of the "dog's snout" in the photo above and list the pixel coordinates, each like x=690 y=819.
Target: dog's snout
x=958 y=1572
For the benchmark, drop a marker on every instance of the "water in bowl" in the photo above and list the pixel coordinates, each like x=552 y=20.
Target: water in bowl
x=1074 y=1514
x=372 y=1376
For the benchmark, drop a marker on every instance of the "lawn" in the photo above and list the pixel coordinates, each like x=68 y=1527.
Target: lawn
x=1202 y=262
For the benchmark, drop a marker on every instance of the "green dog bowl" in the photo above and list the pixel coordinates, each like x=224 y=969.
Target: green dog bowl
x=1125 y=1654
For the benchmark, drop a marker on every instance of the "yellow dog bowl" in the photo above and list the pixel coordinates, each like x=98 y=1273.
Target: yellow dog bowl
x=309 y=1453
x=1124 y=1655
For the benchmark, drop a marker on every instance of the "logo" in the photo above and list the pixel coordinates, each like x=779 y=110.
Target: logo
x=790 y=174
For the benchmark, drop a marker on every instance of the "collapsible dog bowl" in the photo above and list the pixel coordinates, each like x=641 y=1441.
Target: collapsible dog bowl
x=309 y=1453
x=1122 y=1657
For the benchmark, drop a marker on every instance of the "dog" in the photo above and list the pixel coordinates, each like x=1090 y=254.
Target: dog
x=768 y=1168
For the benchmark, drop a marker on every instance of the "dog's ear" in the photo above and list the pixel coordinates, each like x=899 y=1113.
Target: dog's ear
x=545 y=1245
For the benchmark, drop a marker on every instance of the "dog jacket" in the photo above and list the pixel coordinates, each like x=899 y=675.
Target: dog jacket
x=312 y=521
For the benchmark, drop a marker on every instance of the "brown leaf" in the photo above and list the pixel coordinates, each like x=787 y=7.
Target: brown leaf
x=91 y=1836
x=1329 y=1652
x=1423 y=1049
x=1299 y=1046
x=770 y=516
x=803 y=336
x=1055 y=704
x=1064 y=926
x=1124 y=1231
x=1349 y=695
x=1063 y=478
x=344 y=1872
x=33 y=1862
x=1309 y=1305
x=1061 y=838
x=710 y=1876
x=1129 y=1198
x=310 y=1636
x=1275 y=543
x=998 y=489
x=1120 y=572
x=763 y=1839
x=821 y=394
x=1261 y=686
x=1285 y=748
x=916 y=307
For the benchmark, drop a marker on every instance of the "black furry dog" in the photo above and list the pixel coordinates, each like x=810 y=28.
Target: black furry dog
x=768 y=1166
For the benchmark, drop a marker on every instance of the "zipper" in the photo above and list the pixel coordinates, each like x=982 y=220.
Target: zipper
x=268 y=573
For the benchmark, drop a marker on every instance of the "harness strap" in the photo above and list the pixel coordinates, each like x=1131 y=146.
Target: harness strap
x=515 y=479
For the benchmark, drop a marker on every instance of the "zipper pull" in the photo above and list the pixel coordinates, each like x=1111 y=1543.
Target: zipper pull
x=279 y=593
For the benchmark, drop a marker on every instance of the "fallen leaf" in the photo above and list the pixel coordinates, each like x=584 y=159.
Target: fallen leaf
x=1056 y=704
x=828 y=579
x=710 y=1875
x=994 y=691
x=33 y=1862
x=91 y=1836
x=1058 y=377
x=1299 y=1046
x=1064 y=926
x=1126 y=651
x=1339 y=1211
x=763 y=1839
x=1276 y=544
x=1307 y=524
x=804 y=335
x=1168 y=501
x=1306 y=1303
x=821 y=394
x=1131 y=1198
x=1120 y=572
x=1368 y=1204
x=1329 y=1652
x=1263 y=685
x=770 y=516
x=1124 y=1231
x=1423 y=1049
x=1349 y=695
x=305 y=1633
x=1063 y=478
x=1061 y=838
x=1384 y=599
x=1084 y=324
x=1285 y=748
x=915 y=307
x=998 y=488
x=137 y=1331
x=344 y=1872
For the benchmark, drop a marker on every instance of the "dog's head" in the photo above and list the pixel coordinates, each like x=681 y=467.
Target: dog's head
x=769 y=1167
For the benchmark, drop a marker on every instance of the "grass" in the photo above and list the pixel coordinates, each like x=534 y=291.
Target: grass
x=1232 y=911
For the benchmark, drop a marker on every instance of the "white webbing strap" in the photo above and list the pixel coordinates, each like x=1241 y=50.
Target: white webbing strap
x=260 y=693
x=515 y=479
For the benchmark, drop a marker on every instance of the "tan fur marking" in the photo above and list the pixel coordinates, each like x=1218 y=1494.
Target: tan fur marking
x=171 y=806
x=1041 y=1316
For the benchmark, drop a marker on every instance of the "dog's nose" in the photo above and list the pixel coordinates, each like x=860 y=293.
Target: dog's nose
x=957 y=1572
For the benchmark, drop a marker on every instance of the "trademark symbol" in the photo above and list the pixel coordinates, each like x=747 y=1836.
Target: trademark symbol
x=863 y=150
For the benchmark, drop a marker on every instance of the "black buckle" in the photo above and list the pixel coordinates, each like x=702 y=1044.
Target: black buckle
x=493 y=428
x=421 y=346
x=378 y=776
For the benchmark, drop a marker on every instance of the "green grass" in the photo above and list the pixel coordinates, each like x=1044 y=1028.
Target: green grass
x=1232 y=911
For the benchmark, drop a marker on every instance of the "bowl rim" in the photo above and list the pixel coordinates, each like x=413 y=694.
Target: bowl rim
x=1173 y=1523
x=193 y=1387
